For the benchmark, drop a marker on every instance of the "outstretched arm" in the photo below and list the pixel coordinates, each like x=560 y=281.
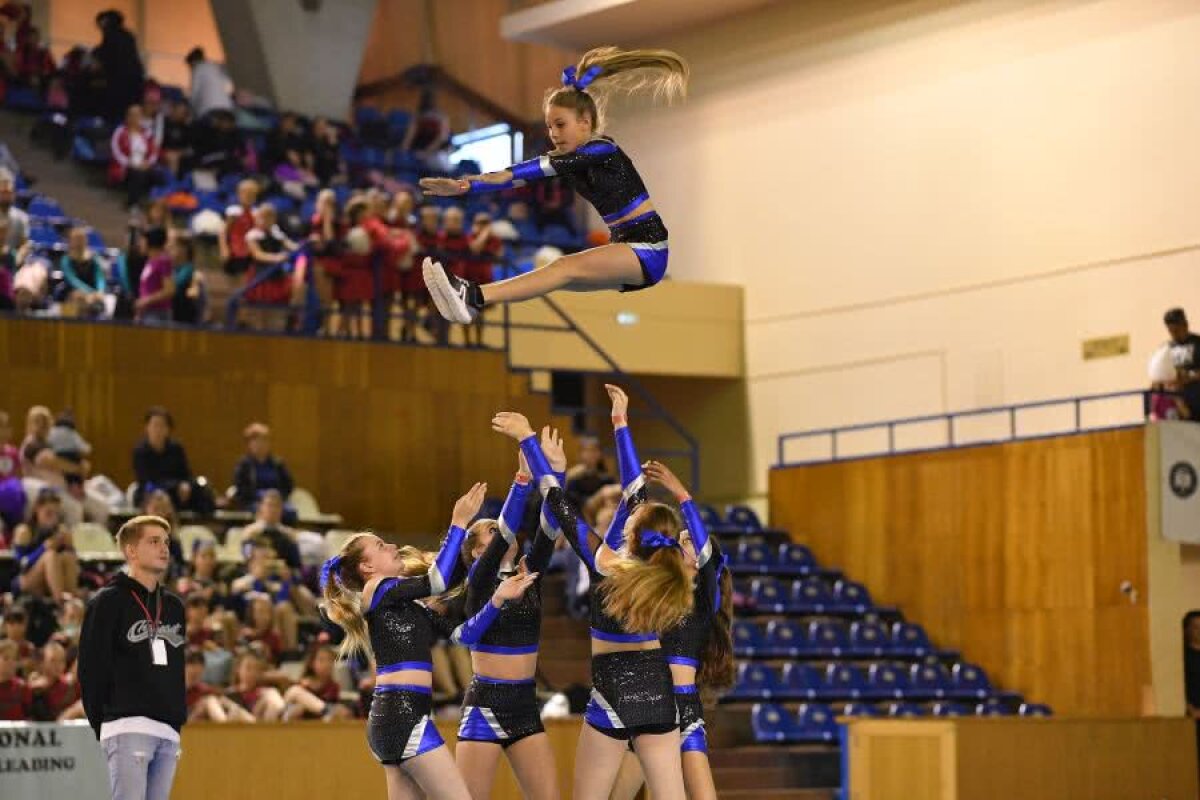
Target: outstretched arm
x=511 y=588
x=547 y=166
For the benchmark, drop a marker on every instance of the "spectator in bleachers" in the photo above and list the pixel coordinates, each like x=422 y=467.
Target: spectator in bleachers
x=160 y=462
x=69 y=445
x=189 y=300
x=14 y=694
x=31 y=286
x=429 y=133
x=18 y=220
x=201 y=576
x=85 y=282
x=248 y=699
x=590 y=474
x=486 y=249
x=262 y=625
x=200 y=635
x=16 y=630
x=32 y=64
x=156 y=286
x=158 y=504
x=316 y=695
x=258 y=469
x=239 y=221
x=51 y=690
x=10 y=456
x=38 y=459
x=119 y=63
x=268 y=523
x=269 y=248
x=210 y=90
x=134 y=157
x=326 y=239
x=154 y=116
x=45 y=550
x=177 y=138
x=219 y=144
x=289 y=153
x=8 y=269
x=203 y=702
x=327 y=155
x=1185 y=354
x=367 y=246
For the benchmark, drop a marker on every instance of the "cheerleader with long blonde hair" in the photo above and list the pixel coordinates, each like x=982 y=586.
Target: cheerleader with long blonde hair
x=596 y=168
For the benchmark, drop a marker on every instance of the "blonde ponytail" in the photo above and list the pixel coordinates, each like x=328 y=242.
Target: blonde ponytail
x=605 y=71
x=650 y=590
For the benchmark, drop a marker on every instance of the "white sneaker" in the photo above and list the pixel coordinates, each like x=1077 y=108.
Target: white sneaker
x=449 y=293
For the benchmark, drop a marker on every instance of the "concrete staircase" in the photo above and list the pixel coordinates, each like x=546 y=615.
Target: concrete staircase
x=81 y=191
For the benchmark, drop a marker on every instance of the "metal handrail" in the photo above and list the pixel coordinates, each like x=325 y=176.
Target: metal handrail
x=312 y=304
x=950 y=417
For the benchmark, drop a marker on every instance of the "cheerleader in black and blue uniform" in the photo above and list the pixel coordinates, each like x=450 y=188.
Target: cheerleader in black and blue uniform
x=373 y=591
x=638 y=587
x=500 y=711
x=699 y=649
x=595 y=167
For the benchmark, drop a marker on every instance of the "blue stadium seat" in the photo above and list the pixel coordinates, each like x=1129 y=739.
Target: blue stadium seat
x=903 y=710
x=992 y=708
x=398 y=121
x=928 y=680
x=859 y=710
x=709 y=516
x=844 y=680
x=815 y=723
x=950 y=710
x=526 y=230
x=969 y=681
x=795 y=559
x=366 y=115
x=752 y=557
x=1034 y=710
x=772 y=723
x=755 y=681
x=801 y=681
x=748 y=638
x=909 y=639
x=43 y=206
x=769 y=594
x=809 y=596
x=44 y=237
x=743 y=517
x=828 y=639
x=851 y=596
x=559 y=236
x=868 y=639
x=886 y=682
x=785 y=638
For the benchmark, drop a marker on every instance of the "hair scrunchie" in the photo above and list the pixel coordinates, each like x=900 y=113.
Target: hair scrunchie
x=329 y=571
x=653 y=540
x=580 y=82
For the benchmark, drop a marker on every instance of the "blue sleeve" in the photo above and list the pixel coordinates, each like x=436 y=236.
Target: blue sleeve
x=445 y=564
x=628 y=465
x=614 y=537
x=71 y=278
x=514 y=510
x=549 y=165
x=471 y=631
x=543 y=476
x=696 y=529
x=483 y=187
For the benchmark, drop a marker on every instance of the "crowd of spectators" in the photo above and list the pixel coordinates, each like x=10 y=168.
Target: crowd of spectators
x=258 y=648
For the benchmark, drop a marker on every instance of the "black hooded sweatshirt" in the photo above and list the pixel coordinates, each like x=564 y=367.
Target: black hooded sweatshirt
x=116 y=669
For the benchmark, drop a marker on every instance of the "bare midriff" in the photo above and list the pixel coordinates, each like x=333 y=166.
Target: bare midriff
x=601 y=647
x=642 y=208
x=505 y=667
x=409 y=677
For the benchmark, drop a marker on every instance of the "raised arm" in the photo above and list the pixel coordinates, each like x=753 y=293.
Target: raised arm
x=661 y=474
x=511 y=588
x=481 y=576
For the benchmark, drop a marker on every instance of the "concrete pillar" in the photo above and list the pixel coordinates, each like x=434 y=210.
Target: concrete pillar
x=302 y=54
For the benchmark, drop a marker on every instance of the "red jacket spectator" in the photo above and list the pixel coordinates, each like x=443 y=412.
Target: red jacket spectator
x=133 y=147
x=14 y=700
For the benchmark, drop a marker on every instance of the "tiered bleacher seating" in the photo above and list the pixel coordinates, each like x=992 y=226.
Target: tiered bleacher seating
x=809 y=634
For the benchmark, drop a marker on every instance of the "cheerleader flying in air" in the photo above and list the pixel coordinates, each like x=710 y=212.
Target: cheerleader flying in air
x=597 y=169
x=373 y=590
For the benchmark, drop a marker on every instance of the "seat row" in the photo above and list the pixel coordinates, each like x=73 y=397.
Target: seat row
x=789 y=638
x=817 y=722
x=758 y=558
x=809 y=595
x=880 y=681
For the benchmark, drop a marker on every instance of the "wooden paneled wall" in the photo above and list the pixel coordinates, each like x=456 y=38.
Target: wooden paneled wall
x=466 y=43
x=1038 y=759
x=386 y=435
x=1012 y=553
x=251 y=762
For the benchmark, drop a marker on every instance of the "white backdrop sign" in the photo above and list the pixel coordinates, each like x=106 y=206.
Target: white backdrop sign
x=51 y=761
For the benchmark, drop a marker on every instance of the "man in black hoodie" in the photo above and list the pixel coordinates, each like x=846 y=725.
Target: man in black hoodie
x=131 y=665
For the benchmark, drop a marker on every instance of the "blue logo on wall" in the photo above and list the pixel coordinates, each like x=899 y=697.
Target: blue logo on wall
x=1183 y=480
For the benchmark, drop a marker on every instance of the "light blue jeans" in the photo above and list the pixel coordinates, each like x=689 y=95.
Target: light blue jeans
x=140 y=767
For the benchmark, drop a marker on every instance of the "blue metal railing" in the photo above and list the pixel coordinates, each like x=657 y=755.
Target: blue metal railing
x=953 y=439
x=310 y=310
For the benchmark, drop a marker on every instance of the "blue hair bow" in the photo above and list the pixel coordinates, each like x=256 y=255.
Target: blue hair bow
x=653 y=540
x=582 y=82
x=329 y=571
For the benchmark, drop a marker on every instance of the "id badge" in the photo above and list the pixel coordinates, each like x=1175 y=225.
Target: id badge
x=158 y=652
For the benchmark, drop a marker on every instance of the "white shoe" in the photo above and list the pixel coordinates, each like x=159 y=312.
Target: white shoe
x=449 y=293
